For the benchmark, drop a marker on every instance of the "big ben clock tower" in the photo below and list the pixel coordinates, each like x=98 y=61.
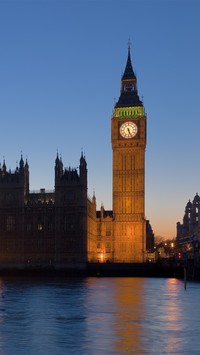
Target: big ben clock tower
x=128 y=134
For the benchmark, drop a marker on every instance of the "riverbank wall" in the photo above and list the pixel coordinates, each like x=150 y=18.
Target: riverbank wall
x=99 y=270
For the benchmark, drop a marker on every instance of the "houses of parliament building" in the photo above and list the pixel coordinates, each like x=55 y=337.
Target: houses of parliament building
x=64 y=228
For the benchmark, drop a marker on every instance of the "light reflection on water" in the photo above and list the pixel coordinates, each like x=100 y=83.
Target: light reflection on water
x=98 y=316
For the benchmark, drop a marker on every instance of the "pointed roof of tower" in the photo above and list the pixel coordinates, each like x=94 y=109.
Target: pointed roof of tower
x=26 y=164
x=57 y=161
x=128 y=72
x=21 y=162
x=4 y=166
x=129 y=95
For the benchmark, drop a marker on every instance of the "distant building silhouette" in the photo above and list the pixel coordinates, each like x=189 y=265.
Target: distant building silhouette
x=43 y=228
x=191 y=220
x=62 y=228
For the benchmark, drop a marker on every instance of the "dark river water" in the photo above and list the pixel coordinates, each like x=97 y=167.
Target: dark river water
x=99 y=316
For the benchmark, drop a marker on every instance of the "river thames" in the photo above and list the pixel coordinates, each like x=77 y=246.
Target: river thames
x=99 y=316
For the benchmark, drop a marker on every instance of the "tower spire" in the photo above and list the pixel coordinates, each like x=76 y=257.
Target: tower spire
x=128 y=95
x=129 y=72
x=129 y=44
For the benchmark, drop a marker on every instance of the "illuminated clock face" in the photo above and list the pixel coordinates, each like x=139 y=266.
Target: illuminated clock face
x=128 y=130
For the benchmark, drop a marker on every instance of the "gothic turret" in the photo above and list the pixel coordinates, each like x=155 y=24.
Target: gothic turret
x=21 y=165
x=187 y=214
x=83 y=169
x=191 y=220
x=26 y=176
x=3 y=168
x=58 y=169
x=14 y=185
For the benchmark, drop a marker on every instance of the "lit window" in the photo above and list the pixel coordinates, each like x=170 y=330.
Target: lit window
x=108 y=229
x=108 y=248
x=40 y=227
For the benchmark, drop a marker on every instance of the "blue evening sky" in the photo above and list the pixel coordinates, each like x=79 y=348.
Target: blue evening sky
x=60 y=68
